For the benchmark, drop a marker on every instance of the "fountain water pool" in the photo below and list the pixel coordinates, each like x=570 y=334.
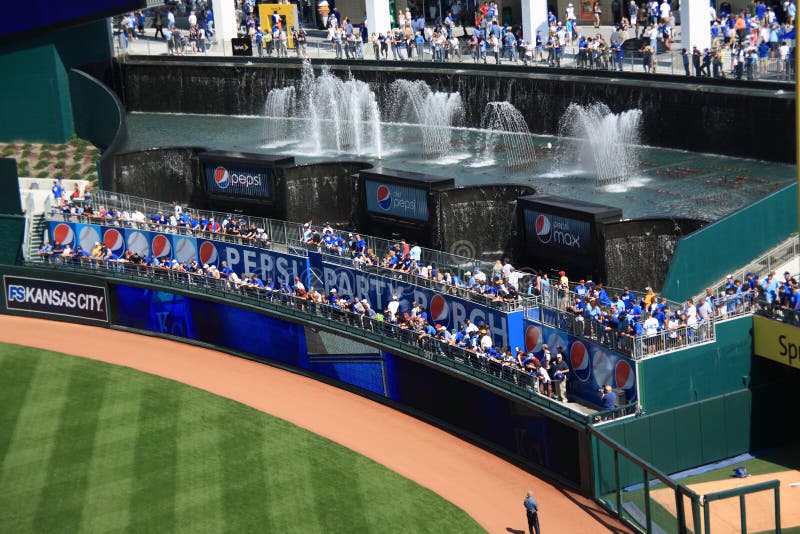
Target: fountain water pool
x=668 y=183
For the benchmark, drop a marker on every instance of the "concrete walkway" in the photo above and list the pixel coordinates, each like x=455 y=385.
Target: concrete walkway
x=319 y=48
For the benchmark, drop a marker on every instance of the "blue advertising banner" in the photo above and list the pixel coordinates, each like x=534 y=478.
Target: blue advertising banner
x=444 y=309
x=240 y=258
x=592 y=365
x=552 y=231
x=209 y=322
x=237 y=180
x=396 y=200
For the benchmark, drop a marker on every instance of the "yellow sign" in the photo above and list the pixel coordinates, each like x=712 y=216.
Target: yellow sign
x=288 y=17
x=776 y=341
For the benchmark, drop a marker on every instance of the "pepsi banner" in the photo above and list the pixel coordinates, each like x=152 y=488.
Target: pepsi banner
x=553 y=231
x=449 y=311
x=241 y=258
x=592 y=365
x=237 y=180
x=396 y=200
x=39 y=296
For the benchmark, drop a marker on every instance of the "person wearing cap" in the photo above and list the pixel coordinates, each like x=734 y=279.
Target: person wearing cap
x=581 y=289
x=560 y=370
x=608 y=399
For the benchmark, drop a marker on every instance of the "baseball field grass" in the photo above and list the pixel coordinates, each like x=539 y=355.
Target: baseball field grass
x=87 y=446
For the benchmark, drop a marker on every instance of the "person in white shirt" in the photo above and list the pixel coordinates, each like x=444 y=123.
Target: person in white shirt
x=543 y=380
x=665 y=10
x=486 y=341
x=393 y=305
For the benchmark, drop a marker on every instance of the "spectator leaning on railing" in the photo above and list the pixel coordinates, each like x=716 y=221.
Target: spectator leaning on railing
x=413 y=325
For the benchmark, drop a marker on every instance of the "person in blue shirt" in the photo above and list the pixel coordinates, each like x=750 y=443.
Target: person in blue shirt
x=608 y=399
x=532 y=513
x=57 y=190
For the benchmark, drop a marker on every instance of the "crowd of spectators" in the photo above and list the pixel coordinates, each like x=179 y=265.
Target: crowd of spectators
x=588 y=309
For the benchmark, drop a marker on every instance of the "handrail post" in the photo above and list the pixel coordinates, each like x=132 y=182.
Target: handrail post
x=647 y=514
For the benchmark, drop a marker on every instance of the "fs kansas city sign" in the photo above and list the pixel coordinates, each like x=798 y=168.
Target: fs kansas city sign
x=35 y=295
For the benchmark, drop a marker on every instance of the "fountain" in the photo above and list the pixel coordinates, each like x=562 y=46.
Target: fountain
x=506 y=130
x=413 y=102
x=605 y=142
x=280 y=105
x=342 y=115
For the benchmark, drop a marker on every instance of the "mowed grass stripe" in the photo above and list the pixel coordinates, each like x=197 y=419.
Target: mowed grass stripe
x=61 y=501
x=19 y=372
x=167 y=457
x=152 y=506
x=26 y=462
x=248 y=498
x=198 y=500
x=111 y=473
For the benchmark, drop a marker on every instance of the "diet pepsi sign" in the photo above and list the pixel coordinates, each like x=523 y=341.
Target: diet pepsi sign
x=545 y=229
x=396 y=200
x=238 y=181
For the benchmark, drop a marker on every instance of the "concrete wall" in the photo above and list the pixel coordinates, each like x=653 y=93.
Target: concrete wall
x=676 y=114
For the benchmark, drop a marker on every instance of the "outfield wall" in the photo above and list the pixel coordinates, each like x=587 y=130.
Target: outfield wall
x=519 y=431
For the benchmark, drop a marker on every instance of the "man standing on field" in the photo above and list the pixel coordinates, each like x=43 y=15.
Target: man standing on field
x=532 y=511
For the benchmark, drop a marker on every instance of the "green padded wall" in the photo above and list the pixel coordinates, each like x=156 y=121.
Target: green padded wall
x=703 y=257
x=678 y=439
x=35 y=95
x=700 y=372
x=34 y=100
x=9 y=187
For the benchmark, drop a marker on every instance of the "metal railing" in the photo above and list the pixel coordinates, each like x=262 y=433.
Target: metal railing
x=638 y=347
x=569 y=56
x=512 y=303
x=773 y=310
x=510 y=377
x=278 y=231
x=761 y=266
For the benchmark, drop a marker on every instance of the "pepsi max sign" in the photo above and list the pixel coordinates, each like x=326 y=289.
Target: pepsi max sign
x=545 y=229
x=237 y=181
x=396 y=200
x=38 y=296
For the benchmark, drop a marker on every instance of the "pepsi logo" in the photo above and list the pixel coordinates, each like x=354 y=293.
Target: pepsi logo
x=208 y=253
x=544 y=229
x=185 y=249
x=222 y=177
x=384 y=195
x=439 y=309
x=88 y=236
x=533 y=339
x=579 y=361
x=113 y=241
x=624 y=375
x=554 y=340
x=63 y=234
x=161 y=246
x=137 y=243
x=602 y=367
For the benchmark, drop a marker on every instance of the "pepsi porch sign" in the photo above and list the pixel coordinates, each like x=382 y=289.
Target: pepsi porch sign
x=396 y=200
x=553 y=231
x=237 y=181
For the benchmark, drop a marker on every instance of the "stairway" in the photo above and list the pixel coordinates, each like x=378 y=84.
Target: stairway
x=36 y=236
